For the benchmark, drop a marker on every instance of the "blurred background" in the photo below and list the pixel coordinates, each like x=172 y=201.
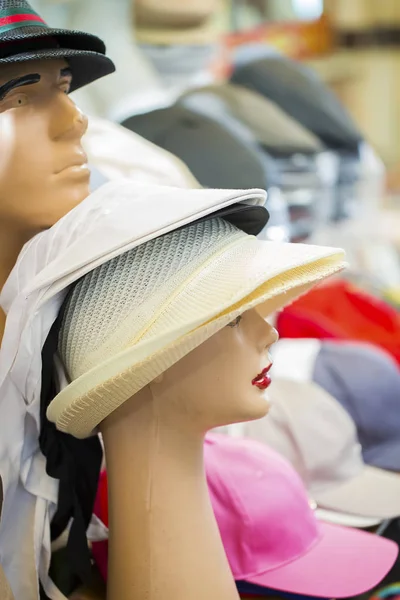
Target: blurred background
x=297 y=97
x=353 y=46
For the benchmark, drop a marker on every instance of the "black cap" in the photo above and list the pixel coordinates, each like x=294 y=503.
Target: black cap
x=24 y=36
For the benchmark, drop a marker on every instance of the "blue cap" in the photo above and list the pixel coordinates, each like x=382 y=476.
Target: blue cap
x=366 y=382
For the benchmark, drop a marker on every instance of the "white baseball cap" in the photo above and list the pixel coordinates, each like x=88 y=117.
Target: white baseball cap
x=314 y=432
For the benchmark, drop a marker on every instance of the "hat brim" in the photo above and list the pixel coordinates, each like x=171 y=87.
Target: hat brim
x=85 y=53
x=344 y=562
x=373 y=493
x=250 y=219
x=258 y=274
x=346 y=519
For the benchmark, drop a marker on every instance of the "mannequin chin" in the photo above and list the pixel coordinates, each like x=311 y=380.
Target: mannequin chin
x=160 y=517
x=43 y=171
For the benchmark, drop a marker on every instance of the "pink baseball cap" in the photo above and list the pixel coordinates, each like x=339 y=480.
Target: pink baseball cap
x=270 y=533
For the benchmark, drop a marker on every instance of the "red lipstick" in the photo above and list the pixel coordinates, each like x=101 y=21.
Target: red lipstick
x=263 y=380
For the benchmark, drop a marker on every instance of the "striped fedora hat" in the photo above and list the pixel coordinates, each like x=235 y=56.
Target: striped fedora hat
x=24 y=36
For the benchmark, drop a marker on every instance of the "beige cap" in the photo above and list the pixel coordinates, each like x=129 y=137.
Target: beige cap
x=175 y=22
x=174 y=13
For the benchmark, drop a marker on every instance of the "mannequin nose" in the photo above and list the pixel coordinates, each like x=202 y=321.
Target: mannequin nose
x=273 y=336
x=68 y=121
x=265 y=334
x=268 y=333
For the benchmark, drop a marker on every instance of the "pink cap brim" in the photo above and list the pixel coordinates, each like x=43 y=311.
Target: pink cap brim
x=345 y=562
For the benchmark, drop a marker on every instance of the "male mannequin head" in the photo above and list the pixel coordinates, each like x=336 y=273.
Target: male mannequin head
x=43 y=172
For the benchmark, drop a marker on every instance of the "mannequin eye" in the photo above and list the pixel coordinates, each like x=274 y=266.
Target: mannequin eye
x=236 y=322
x=16 y=100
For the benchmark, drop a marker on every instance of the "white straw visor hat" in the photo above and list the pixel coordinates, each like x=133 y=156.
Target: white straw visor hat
x=132 y=318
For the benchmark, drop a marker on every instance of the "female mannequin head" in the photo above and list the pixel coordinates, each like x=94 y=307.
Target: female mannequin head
x=157 y=307
x=161 y=344
x=211 y=386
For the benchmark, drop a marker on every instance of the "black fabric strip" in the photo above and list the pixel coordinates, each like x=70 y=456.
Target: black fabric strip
x=75 y=463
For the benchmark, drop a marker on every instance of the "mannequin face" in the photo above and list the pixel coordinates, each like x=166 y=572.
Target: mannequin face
x=43 y=171
x=213 y=384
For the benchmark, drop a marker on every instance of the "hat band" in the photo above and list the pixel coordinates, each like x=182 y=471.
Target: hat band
x=14 y=19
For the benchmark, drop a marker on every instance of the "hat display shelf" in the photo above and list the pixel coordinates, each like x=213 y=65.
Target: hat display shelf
x=291 y=154
x=347 y=210
x=305 y=97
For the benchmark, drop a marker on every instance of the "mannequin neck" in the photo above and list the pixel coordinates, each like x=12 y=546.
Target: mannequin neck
x=164 y=540
x=11 y=243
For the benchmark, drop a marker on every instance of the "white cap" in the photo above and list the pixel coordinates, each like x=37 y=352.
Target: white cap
x=314 y=432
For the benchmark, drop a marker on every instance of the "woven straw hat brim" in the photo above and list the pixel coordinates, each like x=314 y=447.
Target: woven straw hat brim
x=84 y=52
x=270 y=280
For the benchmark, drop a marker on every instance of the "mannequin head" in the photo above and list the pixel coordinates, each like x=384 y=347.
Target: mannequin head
x=43 y=171
x=154 y=449
x=42 y=165
x=158 y=345
x=158 y=307
x=210 y=386
x=213 y=384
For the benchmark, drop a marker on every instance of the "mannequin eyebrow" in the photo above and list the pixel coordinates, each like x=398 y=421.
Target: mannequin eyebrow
x=30 y=79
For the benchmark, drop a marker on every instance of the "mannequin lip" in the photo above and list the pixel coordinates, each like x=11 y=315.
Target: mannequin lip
x=77 y=169
x=263 y=380
x=79 y=163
